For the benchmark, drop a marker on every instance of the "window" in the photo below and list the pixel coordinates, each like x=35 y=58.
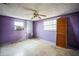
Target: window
x=50 y=25
x=30 y=28
x=18 y=25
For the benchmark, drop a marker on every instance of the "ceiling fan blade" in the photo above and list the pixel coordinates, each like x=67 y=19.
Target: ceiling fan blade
x=42 y=15
x=28 y=9
x=33 y=17
x=5 y=3
x=39 y=17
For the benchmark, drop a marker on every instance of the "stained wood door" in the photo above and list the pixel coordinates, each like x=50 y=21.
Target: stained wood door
x=61 y=32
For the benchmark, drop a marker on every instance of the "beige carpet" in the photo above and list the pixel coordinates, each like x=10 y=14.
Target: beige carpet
x=35 y=47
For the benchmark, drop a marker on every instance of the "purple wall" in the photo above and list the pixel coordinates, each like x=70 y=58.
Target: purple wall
x=73 y=30
x=44 y=34
x=7 y=32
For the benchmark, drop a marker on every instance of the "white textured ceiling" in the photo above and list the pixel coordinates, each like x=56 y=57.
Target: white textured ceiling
x=49 y=9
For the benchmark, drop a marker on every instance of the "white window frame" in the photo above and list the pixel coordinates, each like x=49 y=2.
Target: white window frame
x=18 y=23
x=50 y=25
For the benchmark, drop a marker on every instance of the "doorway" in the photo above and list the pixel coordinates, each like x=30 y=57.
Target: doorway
x=61 y=32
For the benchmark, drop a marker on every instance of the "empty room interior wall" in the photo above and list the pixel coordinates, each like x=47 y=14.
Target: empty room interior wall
x=39 y=31
x=73 y=30
x=7 y=32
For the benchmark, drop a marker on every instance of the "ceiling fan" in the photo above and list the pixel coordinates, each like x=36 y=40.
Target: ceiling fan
x=35 y=13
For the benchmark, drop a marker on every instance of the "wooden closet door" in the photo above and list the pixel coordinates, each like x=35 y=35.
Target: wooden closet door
x=61 y=32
